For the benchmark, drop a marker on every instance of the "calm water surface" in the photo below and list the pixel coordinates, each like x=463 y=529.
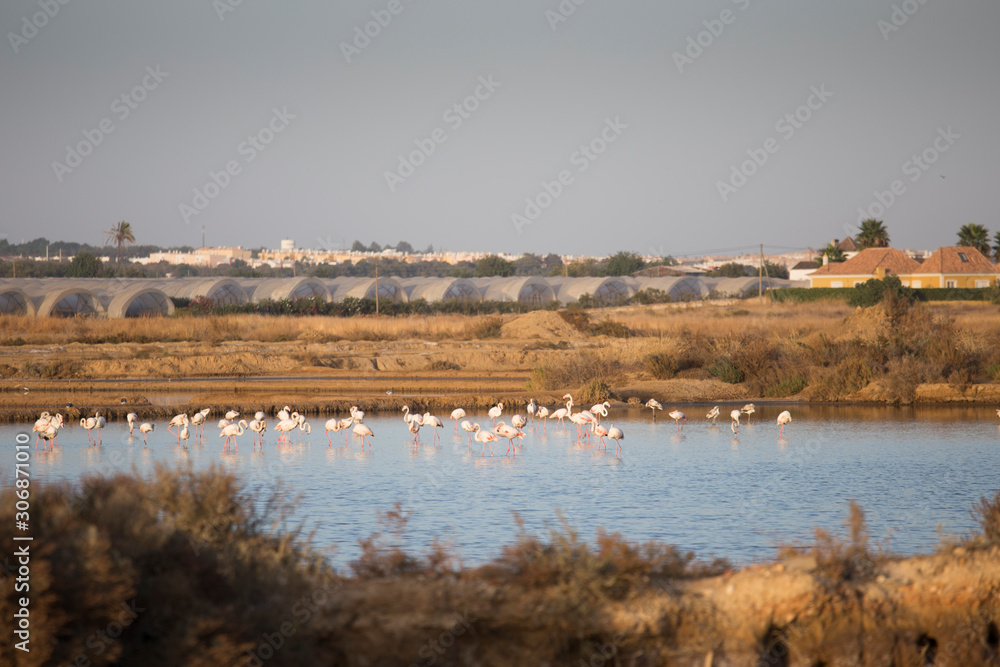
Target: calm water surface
x=704 y=489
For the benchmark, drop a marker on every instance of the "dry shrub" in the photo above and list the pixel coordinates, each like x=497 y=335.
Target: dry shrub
x=661 y=366
x=486 y=327
x=577 y=318
x=443 y=365
x=595 y=391
x=841 y=561
x=849 y=376
x=613 y=569
x=987 y=514
x=611 y=328
x=902 y=376
x=195 y=554
x=572 y=371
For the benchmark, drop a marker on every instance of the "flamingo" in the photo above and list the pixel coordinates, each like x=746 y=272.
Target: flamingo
x=735 y=417
x=286 y=426
x=517 y=421
x=357 y=415
x=223 y=423
x=600 y=432
x=495 y=412
x=433 y=422
x=332 y=426
x=364 y=432
x=510 y=433
x=303 y=426
x=677 y=416
x=284 y=413
x=145 y=428
x=562 y=413
x=416 y=416
x=532 y=409
x=601 y=409
x=345 y=424
x=41 y=425
x=543 y=412
x=132 y=419
x=784 y=418
x=713 y=414
x=179 y=420
x=183 y=436
x=231 y=432
x=414 y=426
x=48 y=434
x=259 y=427
x=485 y=437
x=90 y=424
x=748 y=410
x=616 y=434
x=232 y=414
x=260 y=416
x=654 y=405
x=198 y=419
x=468 y=428
x=456 y=414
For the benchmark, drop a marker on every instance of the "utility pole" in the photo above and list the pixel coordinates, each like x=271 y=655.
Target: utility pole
x=376 y=287
x=203 y=236
x=760 y=274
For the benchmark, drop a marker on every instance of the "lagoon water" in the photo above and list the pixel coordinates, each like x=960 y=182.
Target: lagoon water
x=705 y=490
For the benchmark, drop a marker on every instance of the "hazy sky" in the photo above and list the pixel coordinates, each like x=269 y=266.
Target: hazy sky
x=609 y=117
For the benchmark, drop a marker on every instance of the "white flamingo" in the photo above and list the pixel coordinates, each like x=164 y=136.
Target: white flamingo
x=600 y=410
x=357 y=415
x=600 y=432
x=132 y=418
x=260 y=416
x=223 y=423
x=510 y=433
x=748 y=410
x=678 y=417
x=90 y=424
x=178 y=421
x=332 y=425
x=495 y=412
x=433 y=422
x=259 y=428
x=616 y=434
x=408 y=417
x=145 y=428
x=198 y=420
x=517 y=421
x=735 y=417
x=41 y=424
x=468 y=428
x=232 y=414
x=485 y=437
x=532 y=409
x=654 y=405
x=456 y=414
x=365 y=433
x=713 y=414
x=286 y=426
x=284 y=413
x=231 y=432
x=183 y=436
x=541 y=415
x=784 y=418
x=414 y=427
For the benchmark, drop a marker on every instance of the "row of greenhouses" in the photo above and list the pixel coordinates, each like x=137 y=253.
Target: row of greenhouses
x=134 y=297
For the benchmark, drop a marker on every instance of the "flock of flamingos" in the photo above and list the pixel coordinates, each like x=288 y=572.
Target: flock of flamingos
x=587 y=422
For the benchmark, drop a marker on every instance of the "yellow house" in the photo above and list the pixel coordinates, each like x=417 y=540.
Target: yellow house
x=947 y=267
x=867 y=264
x=954 y=267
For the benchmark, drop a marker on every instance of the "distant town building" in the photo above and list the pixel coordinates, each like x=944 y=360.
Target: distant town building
x=946 y=267
x=208 y=257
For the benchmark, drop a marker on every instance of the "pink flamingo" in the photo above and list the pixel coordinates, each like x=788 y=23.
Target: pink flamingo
x=678 y=417
x=510 y=433
x=456 y=414
x=485 y=437
x=784 y=418
x=365 y=433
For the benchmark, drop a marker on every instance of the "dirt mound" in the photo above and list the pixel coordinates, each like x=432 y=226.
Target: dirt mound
x=539 y=324
x=867 y=324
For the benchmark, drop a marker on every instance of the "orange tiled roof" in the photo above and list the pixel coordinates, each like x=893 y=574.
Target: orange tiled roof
x=949 y=260
x=867 y=261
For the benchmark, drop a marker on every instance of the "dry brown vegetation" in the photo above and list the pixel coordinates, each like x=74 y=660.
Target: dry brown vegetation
x=210 y=580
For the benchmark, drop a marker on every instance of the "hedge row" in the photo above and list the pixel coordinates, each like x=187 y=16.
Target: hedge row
x=811 y=294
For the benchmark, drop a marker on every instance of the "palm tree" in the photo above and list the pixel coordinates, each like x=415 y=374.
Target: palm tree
x=120 y=234
x=996 y=247
x=975 y=236
x=833 y=254
x=872 y=234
